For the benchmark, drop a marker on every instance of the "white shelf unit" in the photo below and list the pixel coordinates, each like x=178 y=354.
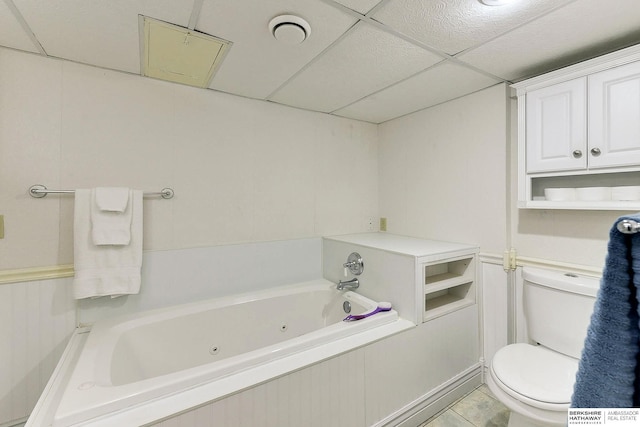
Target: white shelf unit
x=402 y=270
x=449 y=285
x=536 y=184
x=570 y=134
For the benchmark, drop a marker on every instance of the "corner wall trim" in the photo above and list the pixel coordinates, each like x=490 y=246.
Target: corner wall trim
x=36 y=273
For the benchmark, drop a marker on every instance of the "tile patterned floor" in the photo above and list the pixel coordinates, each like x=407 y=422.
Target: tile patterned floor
x=479 y=408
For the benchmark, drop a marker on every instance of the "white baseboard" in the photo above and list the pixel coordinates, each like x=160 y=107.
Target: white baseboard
x=436 y=400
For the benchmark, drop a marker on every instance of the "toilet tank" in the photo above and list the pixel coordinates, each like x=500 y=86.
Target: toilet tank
x=558 y=307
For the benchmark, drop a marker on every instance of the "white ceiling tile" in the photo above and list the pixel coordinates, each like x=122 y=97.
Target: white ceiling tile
x=441 y=83
x=365 y=61
x=257 y=64
x=12 y=34
x=97 y=32
x=360 y=6
x=576 y=32
x=455 y=25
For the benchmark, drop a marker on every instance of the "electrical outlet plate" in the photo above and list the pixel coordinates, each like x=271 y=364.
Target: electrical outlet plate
x=383 y=224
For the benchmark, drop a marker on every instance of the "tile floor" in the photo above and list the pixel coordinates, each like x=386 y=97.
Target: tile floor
x=479 y=408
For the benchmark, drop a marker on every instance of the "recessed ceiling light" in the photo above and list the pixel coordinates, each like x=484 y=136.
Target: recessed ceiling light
x=494 y=2
x=289 y=29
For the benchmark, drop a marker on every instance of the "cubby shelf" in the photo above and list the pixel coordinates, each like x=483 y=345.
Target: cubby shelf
x=444 y=304
x=449 y=285
x=423 y=279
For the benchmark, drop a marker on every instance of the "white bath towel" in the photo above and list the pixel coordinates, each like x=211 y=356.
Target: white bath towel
x=106 y=269
x=111 y=215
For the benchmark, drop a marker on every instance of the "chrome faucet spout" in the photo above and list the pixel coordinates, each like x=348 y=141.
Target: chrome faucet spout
x=348 y=284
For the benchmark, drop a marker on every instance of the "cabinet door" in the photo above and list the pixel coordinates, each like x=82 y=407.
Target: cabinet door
x=614 y=117
x=556 y=127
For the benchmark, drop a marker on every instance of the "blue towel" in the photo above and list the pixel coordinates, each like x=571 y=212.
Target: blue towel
x=608 y=372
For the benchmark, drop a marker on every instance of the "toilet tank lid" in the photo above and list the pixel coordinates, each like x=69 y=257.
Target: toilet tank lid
x=563 y=280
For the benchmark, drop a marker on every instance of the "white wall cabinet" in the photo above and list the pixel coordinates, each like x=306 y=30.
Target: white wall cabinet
x=614 y=117
x=557 y=127
x=579 y=128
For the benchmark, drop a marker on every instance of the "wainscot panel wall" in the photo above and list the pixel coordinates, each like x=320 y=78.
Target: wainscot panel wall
x=36 y=321
x=495 y=308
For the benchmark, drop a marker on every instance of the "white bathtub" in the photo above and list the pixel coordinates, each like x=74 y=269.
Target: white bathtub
x=140 y=368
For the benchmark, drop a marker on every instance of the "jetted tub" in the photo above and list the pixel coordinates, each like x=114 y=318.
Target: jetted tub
x=140 y=368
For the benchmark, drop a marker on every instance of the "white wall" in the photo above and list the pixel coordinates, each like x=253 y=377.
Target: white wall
x=387 y=276
x=242 y=170
x=186 y=275
x=443 y=176
x=450 y=173
x=442 y=171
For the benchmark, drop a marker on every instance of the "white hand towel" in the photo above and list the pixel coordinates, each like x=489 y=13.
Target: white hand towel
x=107 y=269
x=111 y=216
x=112 y=199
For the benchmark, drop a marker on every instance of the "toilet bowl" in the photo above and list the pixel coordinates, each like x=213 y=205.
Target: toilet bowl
x=535 y=380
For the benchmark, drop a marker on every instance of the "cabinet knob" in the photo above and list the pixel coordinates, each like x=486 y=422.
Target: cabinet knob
x=595 y=152
x=577 y=153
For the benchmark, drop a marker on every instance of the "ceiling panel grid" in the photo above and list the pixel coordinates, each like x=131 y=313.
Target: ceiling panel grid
x=372 y=60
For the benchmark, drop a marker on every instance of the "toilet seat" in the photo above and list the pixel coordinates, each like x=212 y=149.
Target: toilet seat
x=535 y=375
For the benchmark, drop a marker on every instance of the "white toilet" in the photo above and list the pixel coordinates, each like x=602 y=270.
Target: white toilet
x=535 y=381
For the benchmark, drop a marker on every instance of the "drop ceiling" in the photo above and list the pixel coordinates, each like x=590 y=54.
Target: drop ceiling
x=371 y=60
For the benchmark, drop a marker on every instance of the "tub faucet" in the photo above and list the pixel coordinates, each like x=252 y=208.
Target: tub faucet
x=349 y=284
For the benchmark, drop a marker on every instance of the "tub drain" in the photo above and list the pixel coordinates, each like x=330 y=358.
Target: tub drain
x=214 y=349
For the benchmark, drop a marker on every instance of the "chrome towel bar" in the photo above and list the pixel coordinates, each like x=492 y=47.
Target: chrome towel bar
x=628 y=226
x=39 y=191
